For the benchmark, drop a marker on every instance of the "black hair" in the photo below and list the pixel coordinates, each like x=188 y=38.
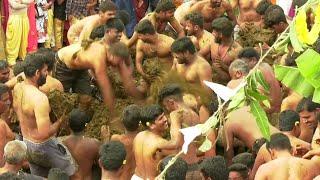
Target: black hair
x=114 y=23
x=18 y=68
x=3 y=64
x=145 y=27
x=307 y=104
x=78 y=120
x=244 y=158
x=98 y=32
x=124 y=16
x=112 y=155
x=177 y=171
x=215 y=168
x=182 y=45
x=249 y=52
x=3 y=89
x=165 y=5
x=298 y=3
x=131 y=117
x=50 y=57
x=257 y=145
x=57 y=174
x=274 y=15
x=291 y=59
x=262 y=7
x=279 y=141
x=107 y=6
x=32 y=63
x=195 y=18
x=10 y=176
x=241 y=169
x=223 y=25
x=287 y=120
x=150 y=113
x=119 y=49
x=170 y=90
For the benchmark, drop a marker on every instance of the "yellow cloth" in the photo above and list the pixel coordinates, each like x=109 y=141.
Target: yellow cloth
x=2 y=41
x=17 y=37
x=50 y=41
x=58 y=32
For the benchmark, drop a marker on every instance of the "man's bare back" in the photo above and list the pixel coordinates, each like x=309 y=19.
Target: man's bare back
x=51 y=84
x=288 y=168
x=75 y=30
x=86 y=152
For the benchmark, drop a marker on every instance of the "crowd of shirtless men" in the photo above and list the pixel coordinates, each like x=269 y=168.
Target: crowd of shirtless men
x=204 y=49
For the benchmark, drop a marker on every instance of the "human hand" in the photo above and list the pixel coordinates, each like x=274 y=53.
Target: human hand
x=46 y=6
x=105 y=133
x=311 y=153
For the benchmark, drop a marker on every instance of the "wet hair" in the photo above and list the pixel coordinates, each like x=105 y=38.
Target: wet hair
x=78 y=120
x=223 y=25
x=215 y=168
x=257 y=145
x=307 y=104
x=244 y=158
x=262 y=7
x=107 y=6
x=3 y=89
x=145 y=27
x=249 y=52
x=10 y=176
x=119 y=49
x=239 y=65
x=114 y=23
x=150 y=113
x=173 y=90
x=112 y=155
x=298 y=3
x=177 y=171
x=291 y=59
x=124 y=16
x=15 y=152
x=57 y=174
x=3 y=64
x=182 y=45
x=18 y=68
x=131 y=117
x=287 y=120
x=50 y=57
x=279 y=141
x=32 y=63
x=195 y=18
x=274 y=15
x=165 y=5
x=239 y=168
x=98 y=32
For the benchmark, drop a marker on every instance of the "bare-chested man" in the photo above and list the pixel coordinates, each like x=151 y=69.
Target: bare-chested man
x=112 y=159
x=307 y=110
x=188 y=63
x=251 y=57
x=148 y=146
x=73 y=63
x=247 y=11
x=6 y=134
x=291 y=101
x=242 y=125
x=82 y=29
x=275 y=18
x=290 y=126
x=238 y=70
x=160 y=18
x=212 y=9
x=84 y=150
x=223 y=50
x=182 y=116
x=284 y=165
x=194 y=27
x=151 y=44
x=32 y=108
x=183 y=10
x=131 y=118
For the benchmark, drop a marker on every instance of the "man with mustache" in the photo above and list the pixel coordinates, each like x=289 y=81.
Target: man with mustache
x=32 y=108
x=212 y=9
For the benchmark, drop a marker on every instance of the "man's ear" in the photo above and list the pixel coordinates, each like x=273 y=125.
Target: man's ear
x=100 y=164
x=238 y=74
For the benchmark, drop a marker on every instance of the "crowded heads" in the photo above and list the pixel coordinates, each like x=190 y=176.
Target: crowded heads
x=152 y=116
x=169 y=95
x=308 y=112
x=112 y=156
x=289 y=121
x=117 y=53
x=15 y=152
x=4 y=71
x=145 y=30
x=36 y=68
x=182 y=49
x=131 y=117
x=113 y=29
x=194 y=23
x=165 y=9
x=278 y=142
x=275 y=18
x=222 y=28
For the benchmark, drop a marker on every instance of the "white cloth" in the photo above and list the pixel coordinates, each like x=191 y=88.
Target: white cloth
x=135 y=177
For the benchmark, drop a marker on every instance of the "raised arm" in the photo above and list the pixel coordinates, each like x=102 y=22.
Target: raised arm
x=177 y=27
x=230 y=12
x=139 y=58
x=175 y=126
